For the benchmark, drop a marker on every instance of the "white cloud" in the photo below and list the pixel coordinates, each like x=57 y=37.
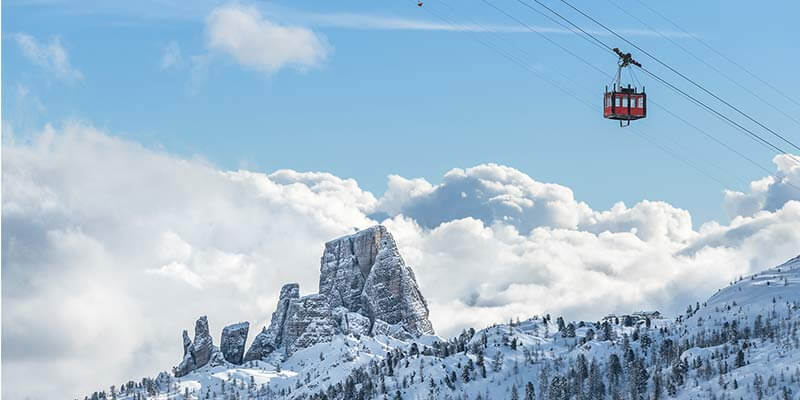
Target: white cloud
x=769 y=193
x=489 y=193
x=52 y=57
x=156 y=240
x=261 y=44
x=171 y=56
x=125 y=246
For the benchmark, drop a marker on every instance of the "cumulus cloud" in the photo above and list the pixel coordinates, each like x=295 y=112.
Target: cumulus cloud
x=52 y=57
x=264 y=45
x=486 y=192
x=125 y=246
x=494 y=193
x=769 y=193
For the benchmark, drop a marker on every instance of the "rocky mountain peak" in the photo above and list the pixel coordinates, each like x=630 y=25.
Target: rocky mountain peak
x=365 y=288
x=346 y=264
x=365 y=274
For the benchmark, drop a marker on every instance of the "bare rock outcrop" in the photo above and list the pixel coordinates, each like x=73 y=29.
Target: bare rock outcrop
x=365 y=288
x=232 y=342
x=261 y=347
x=203 y=345
x=187 y=343
x=199 y=352
x=391 y=293
x=351 y=323
x=365 y=273
x=289 y=292
x=308 y=322
x=345 y=265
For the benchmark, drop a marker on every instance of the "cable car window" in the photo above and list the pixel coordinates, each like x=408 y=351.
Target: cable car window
x=624 y=101
x=616 y=101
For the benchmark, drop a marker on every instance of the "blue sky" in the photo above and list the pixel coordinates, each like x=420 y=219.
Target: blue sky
x=119 y=206
x=397 y=95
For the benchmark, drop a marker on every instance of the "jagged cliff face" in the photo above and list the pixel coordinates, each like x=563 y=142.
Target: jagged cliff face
x=345 y=266
x=391 y=293
x=308 y=322
x=365 y=273
x=289 y=293
x=365 y=288
x=199 y=352
x=232 y=342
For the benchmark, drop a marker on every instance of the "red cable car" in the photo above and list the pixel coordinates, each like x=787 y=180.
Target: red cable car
x=624 y=104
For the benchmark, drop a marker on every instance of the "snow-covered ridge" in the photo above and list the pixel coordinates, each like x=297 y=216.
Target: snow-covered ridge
x=742 y=343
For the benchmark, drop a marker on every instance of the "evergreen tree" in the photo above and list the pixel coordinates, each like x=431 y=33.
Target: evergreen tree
x=607 y=333
x=614 y=369
x=530 y=393
x=560 y=322
x=497 y=364
x=559 y=389
x=464 y=374
x=739 y=359
x=569 y=331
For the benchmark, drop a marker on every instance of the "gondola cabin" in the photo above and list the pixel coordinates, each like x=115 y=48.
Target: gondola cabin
x=624 y=104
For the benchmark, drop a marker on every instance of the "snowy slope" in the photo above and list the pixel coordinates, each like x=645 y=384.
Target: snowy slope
x=742 y=343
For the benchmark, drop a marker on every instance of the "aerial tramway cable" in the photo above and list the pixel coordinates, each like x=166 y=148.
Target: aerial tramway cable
x=683 y=159
x=714 y=112
x=704 y=62
x=701 y=87
x=704 y=43
x=603 y=47
x=587 y=104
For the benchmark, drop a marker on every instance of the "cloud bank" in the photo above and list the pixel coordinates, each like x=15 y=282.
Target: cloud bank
x=769 y=193
x=111 y=248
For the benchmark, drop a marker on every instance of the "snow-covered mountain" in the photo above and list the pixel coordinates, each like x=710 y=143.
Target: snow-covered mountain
x=366 y=335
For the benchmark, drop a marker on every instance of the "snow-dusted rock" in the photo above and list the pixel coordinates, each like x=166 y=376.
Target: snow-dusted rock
x=203 y=344
x=365 y=273
x=345 y=264
x=261 y=347
x=233 y=340
x=186 y=365
x=308 y=321
x=397 y=331
x=381 y=328
x=187 y=343
x=365 y=288
x=289 y=292
x=351 y=323
x=391 y=293
x=196 y=353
